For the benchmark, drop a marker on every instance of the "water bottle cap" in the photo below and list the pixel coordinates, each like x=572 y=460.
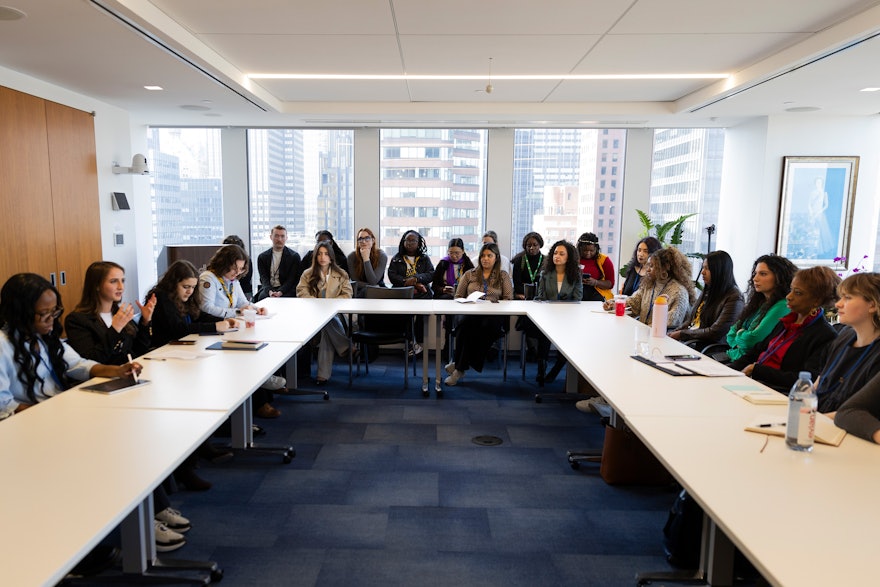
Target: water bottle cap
x=661 y=299
x=805 y=375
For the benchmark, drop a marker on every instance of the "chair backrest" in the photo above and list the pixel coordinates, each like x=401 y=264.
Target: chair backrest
x=354 y=288
x=389 y=323
x=389 y=293
x=529 y=290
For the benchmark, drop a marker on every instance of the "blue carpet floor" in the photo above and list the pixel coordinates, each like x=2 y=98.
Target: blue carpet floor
x=387 y=488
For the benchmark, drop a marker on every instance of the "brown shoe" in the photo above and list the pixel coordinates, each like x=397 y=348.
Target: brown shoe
x=268 y=411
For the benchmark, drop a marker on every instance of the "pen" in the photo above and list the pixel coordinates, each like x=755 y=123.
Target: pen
x=153 y=358
x=771 y=424
x=133 y=372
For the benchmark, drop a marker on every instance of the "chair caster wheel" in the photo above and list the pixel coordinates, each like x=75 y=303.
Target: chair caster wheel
x=216 y=575
x=575 y=465
x=288 y=456
x=426 y=393
x=326 y=396
x=538 y=398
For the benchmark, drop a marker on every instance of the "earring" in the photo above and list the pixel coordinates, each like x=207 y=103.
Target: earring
x=813 y=312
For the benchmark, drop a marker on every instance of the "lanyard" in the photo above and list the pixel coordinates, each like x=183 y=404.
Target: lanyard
x=826 y=384
x=228 y=291
x=528 y=267
x=411 y=267
x=48 y=365
x=651 y=306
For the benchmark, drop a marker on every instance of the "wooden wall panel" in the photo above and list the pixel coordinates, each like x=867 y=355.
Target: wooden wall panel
x=74 y=176
x=27 y=237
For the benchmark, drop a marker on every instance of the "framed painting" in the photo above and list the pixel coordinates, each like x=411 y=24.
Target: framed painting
x=815 y=210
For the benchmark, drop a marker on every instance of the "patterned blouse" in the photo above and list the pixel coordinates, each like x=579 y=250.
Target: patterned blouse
x=473 y=281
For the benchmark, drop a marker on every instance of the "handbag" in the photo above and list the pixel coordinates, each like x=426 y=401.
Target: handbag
x=627 y=461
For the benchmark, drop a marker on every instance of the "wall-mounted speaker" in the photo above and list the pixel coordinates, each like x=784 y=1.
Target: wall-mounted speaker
x=120 y=201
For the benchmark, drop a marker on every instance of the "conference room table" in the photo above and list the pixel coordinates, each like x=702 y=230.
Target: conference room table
x=72 y=473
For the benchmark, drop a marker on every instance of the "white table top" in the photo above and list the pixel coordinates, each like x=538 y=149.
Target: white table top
x=220 y=381
x=502 y=308
x=70 y=475
x=802 y=518
x=292 y=320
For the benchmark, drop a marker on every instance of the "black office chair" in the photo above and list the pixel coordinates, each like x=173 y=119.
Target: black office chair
x=505 y=331
x=383 y=329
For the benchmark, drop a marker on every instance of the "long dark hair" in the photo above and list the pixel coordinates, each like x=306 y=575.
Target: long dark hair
x=315 y=276
x=423 y=247
x=18 y=298
x=783 y=271
x=90 y=302
x=722 y=280
x=653 y=245
x=572 y=265
x=177 y=272
x=495 y=274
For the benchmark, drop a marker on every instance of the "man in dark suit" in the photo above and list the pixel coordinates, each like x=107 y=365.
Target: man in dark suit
x=279 y=267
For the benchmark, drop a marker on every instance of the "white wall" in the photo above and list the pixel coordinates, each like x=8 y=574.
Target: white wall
x=752 y=180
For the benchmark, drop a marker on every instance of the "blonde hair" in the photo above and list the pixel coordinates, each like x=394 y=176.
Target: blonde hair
x=866 y=285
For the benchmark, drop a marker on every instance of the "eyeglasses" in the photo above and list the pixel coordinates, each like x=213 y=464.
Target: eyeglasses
x=54 y=313
x=364 y=239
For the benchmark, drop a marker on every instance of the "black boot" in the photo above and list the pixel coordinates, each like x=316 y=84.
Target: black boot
x=554 y=371
x=542 y=368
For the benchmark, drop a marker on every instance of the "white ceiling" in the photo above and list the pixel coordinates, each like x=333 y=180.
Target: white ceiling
x=780 y=54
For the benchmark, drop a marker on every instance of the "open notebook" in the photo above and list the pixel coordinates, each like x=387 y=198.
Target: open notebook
x=826 y=432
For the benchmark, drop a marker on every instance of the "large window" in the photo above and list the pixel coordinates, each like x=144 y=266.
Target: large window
x=186 y=187
x=432 y=181
x=304 y=181
x=556 y=184
x=686 y=179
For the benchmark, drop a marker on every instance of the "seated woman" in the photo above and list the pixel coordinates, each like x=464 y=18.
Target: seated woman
x=338 y=255
x=718 y=306
x=367 y=262
x=854 y=356
x=561 y=279
x=475 y=333
x=247 y=278
x=412 y=266
x=102 y=327
x=801 y=339
x=668 y=274
x=765 y=304
x=36 y=365
x=324 y=279
x=597 y=269
x=223 y=298
x=450 y=269
x=526 y=266
x=637 y=265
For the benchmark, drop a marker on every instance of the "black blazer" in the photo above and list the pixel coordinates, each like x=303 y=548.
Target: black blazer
x=92 y=339
x=289 y=272
x=807 y=353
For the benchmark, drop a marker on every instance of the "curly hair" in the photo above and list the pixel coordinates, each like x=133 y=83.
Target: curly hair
x=423 y=247
x=821 y=282
x=670 y=263
x=783 y=272
x=572 y=264
x=588 y=238
x=177 y=272
x=532 y=235
x=314 y=277
x=18 y=298
x=358 y=269
x=866 y=285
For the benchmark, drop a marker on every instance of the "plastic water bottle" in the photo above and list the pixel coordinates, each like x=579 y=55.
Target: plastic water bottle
x=802 y=403
x=659 y=317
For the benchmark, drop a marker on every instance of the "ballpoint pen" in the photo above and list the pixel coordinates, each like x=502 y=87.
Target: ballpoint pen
x=133 y=372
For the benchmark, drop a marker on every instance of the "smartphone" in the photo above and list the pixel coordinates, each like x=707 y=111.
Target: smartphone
x=683 y=357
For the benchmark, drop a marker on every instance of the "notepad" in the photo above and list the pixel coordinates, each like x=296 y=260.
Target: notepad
x=237 y=345
x=670 y=368
x=758 y=395
x=826 y=432
x=475 y=297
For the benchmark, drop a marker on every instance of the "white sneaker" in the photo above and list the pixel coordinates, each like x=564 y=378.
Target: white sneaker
x=274 y=383
x=167 y=540
x=454 y=378
x=450 y=368
x=173 y=520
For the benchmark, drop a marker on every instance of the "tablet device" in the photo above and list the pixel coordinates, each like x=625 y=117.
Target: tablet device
x=112 y=386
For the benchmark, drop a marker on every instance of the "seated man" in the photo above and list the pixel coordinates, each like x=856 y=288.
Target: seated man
x=279 y=267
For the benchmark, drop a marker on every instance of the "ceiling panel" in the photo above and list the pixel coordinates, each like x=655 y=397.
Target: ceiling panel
x=338 y=91
x=624 y=90
x=475 y=91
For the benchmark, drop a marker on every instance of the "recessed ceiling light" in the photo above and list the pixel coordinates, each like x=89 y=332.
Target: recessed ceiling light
x=154 y=88
x=10 y=13
x=870 y=90
x=803 y=109
x=195 y=107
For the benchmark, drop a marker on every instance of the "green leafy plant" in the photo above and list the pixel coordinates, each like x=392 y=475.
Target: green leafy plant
x=661 y=230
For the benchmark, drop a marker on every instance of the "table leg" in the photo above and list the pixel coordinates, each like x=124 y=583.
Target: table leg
x=242 y=420
x=438 y=334
x=716 y=555
x=138 y=538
